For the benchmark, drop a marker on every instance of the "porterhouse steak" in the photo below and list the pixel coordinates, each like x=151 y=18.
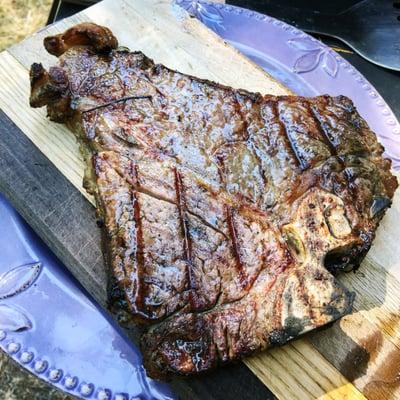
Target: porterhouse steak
x=224 y=212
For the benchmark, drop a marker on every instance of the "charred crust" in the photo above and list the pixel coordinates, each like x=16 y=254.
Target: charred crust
x=379 y=206
x=331 y=308
x=59 y=110
x=54 y=45
x=292 y=328
x=181 y=347
x=36 y=72
x=341 y=259
x=85 y=34
x=47 y=87
x=279 y=337
x=116 y=299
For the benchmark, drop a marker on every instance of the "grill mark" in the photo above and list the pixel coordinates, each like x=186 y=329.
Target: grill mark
x=220 y=157
x=144 y=76
x=218 y=300
x=278 y=303
x=136 y=184
x=304 y=295
x=139 y=254
x=91 y=130
x=121 y=100
x=199 y=217
x=221 y=169
x=325 y=136
x=187 y=241
x=253 y=149
x=238 y=109
x=284 y=133
x=322 y=132
x=235 y=246
x=134 y=172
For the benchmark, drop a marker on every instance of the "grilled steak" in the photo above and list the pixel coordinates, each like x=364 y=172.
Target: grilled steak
x=224 y=212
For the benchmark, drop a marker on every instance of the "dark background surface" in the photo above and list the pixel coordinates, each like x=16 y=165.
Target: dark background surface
x=21 y=385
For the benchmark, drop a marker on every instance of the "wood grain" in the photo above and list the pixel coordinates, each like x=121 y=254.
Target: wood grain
x=283 y=370
x=323 y=364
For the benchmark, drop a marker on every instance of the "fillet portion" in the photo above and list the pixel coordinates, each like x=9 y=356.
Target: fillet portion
x=225 y=213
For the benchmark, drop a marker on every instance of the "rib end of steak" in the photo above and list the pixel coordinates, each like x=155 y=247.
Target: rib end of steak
x=225 y=213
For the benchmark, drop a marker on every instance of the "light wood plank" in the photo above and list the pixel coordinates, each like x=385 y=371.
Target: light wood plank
x=282 y=370
x=365 y=355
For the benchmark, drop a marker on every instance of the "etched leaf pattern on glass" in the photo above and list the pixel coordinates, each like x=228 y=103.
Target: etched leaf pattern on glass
x=313 y=56
x=18 y=279
x=203 y=12
x=12 y=283
x=13 y=319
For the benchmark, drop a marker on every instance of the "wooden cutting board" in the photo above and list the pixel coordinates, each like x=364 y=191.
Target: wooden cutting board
x=41 y=173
